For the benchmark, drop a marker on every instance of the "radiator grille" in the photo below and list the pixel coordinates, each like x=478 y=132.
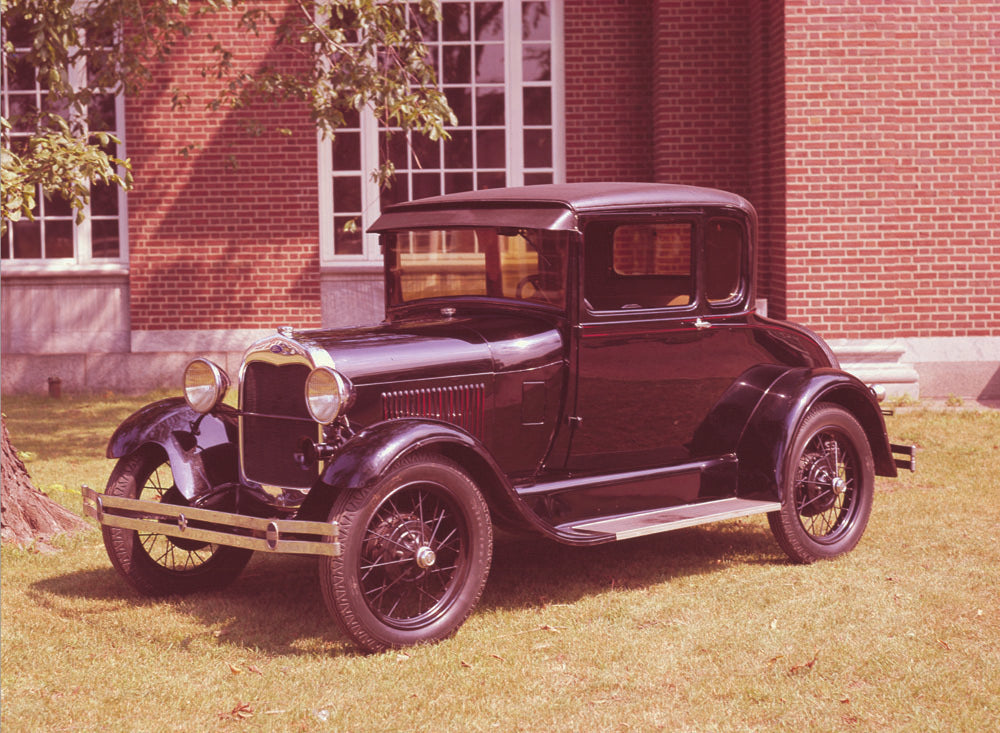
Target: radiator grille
x=462 y=405
x=274 y=419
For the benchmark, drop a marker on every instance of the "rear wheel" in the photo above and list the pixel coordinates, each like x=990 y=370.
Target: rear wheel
x=827 y=496
x=415 y=553
x=156 y=564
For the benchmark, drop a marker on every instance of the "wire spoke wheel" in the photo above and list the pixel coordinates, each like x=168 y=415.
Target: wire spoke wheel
x=827 y=497
x=826 y=484
x=156 y=564
x=415 y=553
x=171 y=553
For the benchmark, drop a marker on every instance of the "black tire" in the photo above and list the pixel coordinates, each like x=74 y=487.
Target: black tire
x=415 y=553
x=155 y=564
x=827 y=496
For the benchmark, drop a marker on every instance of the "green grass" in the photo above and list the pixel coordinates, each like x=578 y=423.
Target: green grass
x=700 y=629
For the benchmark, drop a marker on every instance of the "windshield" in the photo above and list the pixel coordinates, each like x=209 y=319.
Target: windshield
x=524 y=264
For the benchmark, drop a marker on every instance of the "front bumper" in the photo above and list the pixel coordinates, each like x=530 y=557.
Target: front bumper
x=279 y=536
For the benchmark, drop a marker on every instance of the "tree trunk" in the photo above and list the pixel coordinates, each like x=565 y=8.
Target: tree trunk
x=26 y=514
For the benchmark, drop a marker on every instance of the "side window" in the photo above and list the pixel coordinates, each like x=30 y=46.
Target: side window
x=639 y=265
x=724 y=251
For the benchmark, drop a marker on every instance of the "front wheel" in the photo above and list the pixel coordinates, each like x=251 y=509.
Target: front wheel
x=827 y=496
x=415 y=553
x=156 y=564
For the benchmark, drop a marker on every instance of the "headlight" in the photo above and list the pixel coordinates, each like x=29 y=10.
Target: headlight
x=327 y=394
x=205 y=385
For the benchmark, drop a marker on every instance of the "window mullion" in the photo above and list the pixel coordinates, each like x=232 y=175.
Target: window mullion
x=558 y=94
x=82 y=243
x=324 y=166
x=514 y=98
x=369 y=188
x=122 y=194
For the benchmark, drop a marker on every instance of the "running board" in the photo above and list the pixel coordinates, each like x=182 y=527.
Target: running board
x=677 y=517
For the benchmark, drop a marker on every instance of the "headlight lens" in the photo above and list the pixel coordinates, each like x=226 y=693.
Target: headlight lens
x=327 y=394
x=205 y=385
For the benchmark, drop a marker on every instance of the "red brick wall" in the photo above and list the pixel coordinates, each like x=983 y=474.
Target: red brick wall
x=227 y=236
x=700 y=93
x=893 y=170
x=766 y=147
x=864 y=132
x=608 y=47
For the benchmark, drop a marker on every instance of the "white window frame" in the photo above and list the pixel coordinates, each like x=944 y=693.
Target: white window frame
x=83 y=261
x=371 y=256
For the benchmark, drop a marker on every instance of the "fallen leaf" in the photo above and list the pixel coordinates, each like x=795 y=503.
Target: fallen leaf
x=255 y=669
x=804 y=668
x=242 y=711
x=466 y=664
x=234 y=669
x=553 y=629
x=497 y=656
x=943 y=643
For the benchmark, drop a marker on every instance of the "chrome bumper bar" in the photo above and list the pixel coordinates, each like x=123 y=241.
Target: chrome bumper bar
x=279 y=536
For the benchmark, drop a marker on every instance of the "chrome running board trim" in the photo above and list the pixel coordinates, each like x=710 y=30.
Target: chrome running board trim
x=676 y=517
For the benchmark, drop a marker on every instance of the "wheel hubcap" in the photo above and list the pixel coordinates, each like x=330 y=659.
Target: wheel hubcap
x=426 y=557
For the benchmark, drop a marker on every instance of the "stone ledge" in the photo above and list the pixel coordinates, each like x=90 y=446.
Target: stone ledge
x=196 y=342
x=123 y=373
x=967 y=367
x=878 y=361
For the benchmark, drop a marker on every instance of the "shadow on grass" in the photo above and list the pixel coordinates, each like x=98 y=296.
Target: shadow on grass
x=276 y=606
x=530 y=572
x=75 y=425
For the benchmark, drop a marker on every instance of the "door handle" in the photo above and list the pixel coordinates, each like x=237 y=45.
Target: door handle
x=701 y=323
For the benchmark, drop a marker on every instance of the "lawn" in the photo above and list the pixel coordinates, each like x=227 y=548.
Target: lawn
x=700 y=629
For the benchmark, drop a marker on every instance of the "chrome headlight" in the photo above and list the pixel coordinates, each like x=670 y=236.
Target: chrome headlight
x=205 y=385
x=327 y=394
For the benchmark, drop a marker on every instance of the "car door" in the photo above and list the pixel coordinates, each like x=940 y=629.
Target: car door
x=660 y=337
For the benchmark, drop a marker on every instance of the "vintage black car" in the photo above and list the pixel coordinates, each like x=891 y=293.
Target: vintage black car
x=580 y=361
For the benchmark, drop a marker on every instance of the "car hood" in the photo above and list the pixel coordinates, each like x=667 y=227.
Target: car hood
x=439 y=347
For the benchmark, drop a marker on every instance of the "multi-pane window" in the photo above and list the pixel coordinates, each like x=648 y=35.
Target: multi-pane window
x=53 y=237
x=499 y=64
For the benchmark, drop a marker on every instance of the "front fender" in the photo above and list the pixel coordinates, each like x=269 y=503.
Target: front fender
x=767 y=437
x=201 y=448
x=368 y=454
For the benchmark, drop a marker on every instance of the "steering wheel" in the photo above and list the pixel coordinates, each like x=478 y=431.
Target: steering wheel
x=535 y=281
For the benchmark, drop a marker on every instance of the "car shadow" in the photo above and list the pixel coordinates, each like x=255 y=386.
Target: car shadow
x=276 y=606
x=533 y=572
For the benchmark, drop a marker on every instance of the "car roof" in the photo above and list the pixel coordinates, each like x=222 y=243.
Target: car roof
x=549 y=206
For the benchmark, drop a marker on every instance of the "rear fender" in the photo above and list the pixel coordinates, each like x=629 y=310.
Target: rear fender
x=767 y=438
x=201 y=448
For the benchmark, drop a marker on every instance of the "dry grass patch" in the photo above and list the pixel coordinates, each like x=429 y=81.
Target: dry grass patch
x=700 y=629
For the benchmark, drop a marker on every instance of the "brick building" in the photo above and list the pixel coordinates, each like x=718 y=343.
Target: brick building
x=865 y=133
